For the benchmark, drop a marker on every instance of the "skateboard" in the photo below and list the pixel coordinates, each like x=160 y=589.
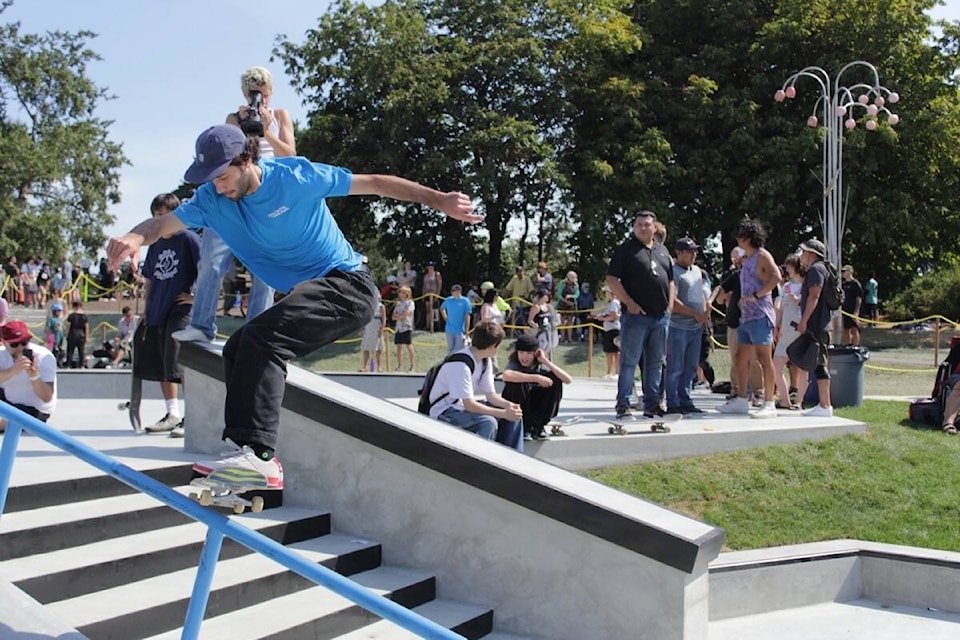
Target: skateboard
x=657 y=425
x=136 y=380
x=239 y=499
x=556 y=427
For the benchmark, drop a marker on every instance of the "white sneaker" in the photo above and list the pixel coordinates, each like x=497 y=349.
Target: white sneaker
x=610 y=376
x=240 y=466
x=768 y=410
x=190 y=334
x=163 y=425
x=738 y=406
x=818 y=412
x=178 y=431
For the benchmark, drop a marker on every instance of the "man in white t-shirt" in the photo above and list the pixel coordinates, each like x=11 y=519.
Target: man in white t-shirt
x=452 y=396
x=28 y=373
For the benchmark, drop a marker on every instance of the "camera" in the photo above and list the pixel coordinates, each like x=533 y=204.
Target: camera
x=252 y=123
x=28 y=354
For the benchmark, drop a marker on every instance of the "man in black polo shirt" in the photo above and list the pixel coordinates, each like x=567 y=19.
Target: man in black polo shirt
x=640 y=275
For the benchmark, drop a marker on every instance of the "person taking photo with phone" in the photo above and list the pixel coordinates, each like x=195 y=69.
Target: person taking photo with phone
x=28 y=373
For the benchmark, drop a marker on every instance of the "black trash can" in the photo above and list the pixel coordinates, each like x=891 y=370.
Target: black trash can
x=845 y=364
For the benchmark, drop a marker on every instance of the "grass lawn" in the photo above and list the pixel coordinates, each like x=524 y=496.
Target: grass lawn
x=895 y=484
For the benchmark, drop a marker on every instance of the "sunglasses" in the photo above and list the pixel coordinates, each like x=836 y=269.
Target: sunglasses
x=22 y=343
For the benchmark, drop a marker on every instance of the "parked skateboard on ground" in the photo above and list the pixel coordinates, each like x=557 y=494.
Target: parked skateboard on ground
x=657 y=425
x=556 y=426
x=231 y=496
x=136 y=380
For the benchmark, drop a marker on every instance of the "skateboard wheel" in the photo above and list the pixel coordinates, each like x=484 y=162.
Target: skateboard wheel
x=194 y=496
x=238 y=508
x=123 y=405
x=206 y=498
x=257 y=505
x=666 y=429
x=610 y=430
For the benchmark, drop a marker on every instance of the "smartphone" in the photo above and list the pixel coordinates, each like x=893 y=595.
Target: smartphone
x=28 y=354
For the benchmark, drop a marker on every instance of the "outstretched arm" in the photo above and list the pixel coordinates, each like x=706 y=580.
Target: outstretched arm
x=147 y=232
x=453 y=203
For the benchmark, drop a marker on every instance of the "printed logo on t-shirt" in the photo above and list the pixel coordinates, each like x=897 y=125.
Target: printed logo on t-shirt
x=167 y=263
x=276 y=213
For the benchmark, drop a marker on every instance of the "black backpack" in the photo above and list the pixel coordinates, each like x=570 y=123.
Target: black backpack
x=424 y=405
x=832 y=290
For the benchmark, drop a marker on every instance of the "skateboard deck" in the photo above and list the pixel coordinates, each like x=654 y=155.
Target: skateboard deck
x=656 y=425
x=556 y=426
x=136 y=380
x=239 y=499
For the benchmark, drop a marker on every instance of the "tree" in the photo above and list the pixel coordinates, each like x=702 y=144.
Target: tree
x=58 y=167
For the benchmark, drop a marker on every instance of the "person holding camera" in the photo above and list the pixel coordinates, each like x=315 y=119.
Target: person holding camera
x=273 y=128
x=28 y=373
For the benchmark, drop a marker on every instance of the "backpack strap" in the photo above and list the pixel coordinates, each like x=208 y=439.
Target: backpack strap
x=455 y=357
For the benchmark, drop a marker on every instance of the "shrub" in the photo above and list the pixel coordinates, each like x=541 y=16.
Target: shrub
x=934 y=293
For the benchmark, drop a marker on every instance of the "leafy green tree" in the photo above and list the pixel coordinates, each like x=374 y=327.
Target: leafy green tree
x=58 y=167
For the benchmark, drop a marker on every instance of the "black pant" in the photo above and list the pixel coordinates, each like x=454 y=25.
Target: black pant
x=75 y=343
x=540 y=405
x=312 y=315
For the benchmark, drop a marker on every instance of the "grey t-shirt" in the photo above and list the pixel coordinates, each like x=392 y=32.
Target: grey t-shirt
x=816 y=277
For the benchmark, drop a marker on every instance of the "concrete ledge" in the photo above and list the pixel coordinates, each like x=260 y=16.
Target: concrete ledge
x=498 y=527
x=25 y=618
x=751 y=582
x=101 y=383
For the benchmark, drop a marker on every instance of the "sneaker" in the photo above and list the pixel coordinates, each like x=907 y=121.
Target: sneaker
x=818 y=412
x=178 y=431
x=163 y=425
x=689 y=410
x=792 y=394
x=625 y=415
x=656 y=412
x=738 y=406
x=241 y=466
x=190 y=334
x=756 y=400
x=768 y=410
x=527 y=436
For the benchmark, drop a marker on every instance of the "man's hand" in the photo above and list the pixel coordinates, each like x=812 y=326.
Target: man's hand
x=458 y=206
x=633 y=307
x=119 y=249
x=185 y=298
x=513 y=412
x=28 y=366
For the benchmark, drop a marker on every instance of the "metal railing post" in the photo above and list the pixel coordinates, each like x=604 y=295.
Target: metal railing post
x=201 y=585
x=8 y=452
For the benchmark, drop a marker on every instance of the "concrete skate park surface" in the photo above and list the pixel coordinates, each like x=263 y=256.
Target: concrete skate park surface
x=837 y=589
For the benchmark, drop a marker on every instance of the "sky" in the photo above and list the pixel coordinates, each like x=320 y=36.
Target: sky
x=174 y=67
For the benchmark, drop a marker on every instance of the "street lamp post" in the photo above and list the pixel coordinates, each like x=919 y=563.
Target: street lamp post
x=839 y=104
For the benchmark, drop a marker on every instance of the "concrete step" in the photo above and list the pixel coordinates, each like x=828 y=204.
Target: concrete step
x=76 y=523
x=315 y=612
x=157 y=604
x=468 y=620
x=72 y=571
x=44 y=494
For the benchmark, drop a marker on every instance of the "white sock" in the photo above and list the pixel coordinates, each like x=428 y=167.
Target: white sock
x=173 y=407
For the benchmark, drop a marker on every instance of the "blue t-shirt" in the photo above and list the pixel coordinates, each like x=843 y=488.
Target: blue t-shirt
x=283 y=232
x=457 y=311
x=171 y=268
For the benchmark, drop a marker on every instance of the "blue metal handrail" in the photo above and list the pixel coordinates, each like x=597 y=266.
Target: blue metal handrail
x=218 y=526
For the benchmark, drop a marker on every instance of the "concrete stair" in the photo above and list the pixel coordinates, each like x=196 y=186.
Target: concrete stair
x=113 y=564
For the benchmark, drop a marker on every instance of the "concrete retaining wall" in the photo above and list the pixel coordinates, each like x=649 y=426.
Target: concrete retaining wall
x=556 y=555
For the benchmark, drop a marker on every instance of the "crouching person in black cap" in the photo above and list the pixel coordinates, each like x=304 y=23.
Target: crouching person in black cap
x=535 y=383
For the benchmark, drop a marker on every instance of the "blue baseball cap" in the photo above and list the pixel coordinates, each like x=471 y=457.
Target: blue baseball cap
x=216 y=148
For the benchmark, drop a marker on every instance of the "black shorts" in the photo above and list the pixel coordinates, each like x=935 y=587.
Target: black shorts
x=403 y=337
x=158 y=356
x=610 y=341
x=850 y=322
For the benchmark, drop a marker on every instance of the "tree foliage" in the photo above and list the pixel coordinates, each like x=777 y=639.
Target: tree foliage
x=565 y=117
x=58 y=167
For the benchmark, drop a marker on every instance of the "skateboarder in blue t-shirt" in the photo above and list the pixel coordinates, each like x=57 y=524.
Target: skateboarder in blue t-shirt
x=273 y=215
